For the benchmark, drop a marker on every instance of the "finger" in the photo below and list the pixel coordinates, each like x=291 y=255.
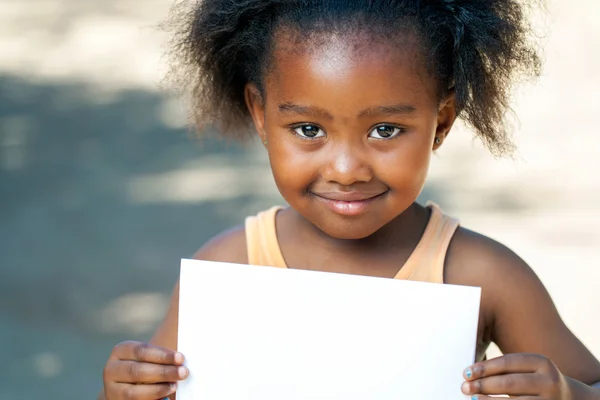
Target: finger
x=507 y=364
x=511 y=384
x=484 y=397
x=126 y=391
x=137 y=351
x=138 y=372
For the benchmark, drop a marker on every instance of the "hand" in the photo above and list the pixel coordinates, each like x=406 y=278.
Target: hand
x=524 y=376
x=139 y=371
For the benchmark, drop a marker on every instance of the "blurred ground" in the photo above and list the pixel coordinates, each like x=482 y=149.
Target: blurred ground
x=102 y=191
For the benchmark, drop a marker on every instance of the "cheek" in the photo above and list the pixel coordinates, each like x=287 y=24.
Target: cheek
x=292 y=167
x=406 y=167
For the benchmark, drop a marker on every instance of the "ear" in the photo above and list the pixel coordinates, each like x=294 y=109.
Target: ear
x=445 y=120
x=256 y=108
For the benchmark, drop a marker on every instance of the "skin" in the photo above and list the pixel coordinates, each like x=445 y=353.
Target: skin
x=348 y=156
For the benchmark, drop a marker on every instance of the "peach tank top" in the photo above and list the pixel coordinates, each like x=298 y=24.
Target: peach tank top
x=425 y=264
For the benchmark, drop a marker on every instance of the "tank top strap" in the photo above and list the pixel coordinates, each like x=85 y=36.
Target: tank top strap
x=261 y=240
x=426 y=263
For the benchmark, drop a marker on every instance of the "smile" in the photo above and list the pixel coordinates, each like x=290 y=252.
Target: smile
x=348 y=203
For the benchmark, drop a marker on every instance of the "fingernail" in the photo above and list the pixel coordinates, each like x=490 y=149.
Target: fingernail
x=182 y=372
x=465 y=388
x=179 y=358
x=469 y=373
x=473 y=397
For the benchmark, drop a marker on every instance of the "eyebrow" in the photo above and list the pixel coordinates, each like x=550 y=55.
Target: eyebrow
x=397 y=109
x=297 y=109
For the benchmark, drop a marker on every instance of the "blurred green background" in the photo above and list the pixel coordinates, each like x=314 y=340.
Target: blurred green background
x=103 y=190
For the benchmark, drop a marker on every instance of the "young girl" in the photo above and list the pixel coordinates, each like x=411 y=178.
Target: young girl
x=350 y=98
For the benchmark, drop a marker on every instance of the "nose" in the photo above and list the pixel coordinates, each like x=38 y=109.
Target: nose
x=347 y=164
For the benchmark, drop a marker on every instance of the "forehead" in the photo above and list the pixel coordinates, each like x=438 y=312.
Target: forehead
x=349 y=65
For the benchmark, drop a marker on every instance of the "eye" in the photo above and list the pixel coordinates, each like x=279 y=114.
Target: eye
x=309 y=131
x=385 y=132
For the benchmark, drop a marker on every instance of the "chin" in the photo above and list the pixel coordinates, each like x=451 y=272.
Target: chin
x=348 y=229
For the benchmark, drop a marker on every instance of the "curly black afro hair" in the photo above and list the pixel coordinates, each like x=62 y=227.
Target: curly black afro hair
x=477 y=48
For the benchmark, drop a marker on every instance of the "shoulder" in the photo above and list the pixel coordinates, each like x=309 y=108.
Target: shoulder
x=475 y=259
x=229 y=246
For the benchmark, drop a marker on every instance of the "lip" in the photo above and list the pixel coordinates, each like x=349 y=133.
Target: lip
x=348 y=196
x=348 y=203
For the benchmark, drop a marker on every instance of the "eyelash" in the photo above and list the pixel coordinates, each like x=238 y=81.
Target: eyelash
x=296 y=127
x=400 y=130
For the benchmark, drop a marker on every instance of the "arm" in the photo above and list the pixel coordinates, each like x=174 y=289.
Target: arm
x=527 y=321
x=524 y=318
x=227 y=247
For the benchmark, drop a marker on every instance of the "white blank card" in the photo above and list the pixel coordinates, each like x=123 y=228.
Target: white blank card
x=263 y=333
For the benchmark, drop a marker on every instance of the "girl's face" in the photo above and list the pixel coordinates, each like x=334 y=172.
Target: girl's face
x=349 y=126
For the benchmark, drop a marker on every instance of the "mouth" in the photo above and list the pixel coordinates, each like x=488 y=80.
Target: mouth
x=348 y=203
